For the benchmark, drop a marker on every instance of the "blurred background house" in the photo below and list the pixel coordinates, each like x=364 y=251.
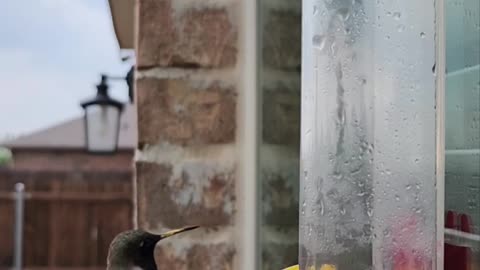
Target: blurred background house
x=76 y=201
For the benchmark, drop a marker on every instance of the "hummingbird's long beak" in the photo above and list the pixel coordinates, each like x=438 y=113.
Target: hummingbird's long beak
x=177 y=231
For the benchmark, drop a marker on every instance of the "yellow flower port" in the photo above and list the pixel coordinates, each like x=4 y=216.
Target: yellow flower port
x=323 y=267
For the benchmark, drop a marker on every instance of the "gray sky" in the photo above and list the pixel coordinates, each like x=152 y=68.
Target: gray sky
x=51 y=55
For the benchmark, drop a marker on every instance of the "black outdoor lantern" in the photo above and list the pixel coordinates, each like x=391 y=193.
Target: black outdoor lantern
x=102 y=121
x=102 y=116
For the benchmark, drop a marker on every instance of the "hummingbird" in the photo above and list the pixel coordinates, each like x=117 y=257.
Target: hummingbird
x=134 y=249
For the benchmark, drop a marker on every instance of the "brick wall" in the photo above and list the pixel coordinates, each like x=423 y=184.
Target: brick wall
x=190 y=164
x=186 y=165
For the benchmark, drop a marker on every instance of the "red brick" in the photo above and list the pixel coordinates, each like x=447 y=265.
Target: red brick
x=177 y=112
x=198 y=196
x=191 y=38
x=166 y=258
x=196 y=256
x=211 y=257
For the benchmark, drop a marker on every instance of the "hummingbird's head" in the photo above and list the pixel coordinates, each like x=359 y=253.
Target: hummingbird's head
x=134 y=249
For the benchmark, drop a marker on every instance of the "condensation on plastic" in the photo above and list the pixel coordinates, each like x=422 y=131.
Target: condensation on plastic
x=367 y=195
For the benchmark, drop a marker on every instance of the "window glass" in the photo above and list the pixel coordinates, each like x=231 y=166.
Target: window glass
x=279 y=44
x=462 y=136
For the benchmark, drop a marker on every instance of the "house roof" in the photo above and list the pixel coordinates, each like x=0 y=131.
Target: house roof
x=71 y=134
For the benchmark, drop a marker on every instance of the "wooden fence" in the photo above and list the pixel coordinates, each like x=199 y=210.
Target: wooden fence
x=70 y=220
